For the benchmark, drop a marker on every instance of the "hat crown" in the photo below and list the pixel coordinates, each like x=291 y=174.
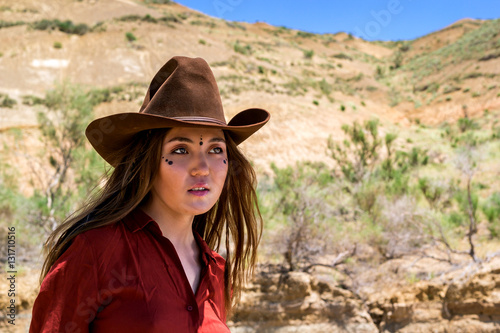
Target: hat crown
x=185 y=89
x=182 y=94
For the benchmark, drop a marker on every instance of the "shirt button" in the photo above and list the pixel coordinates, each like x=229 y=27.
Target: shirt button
x=189 y=308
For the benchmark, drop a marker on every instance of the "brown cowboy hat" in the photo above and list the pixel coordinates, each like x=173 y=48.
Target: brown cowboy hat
x=182 y=94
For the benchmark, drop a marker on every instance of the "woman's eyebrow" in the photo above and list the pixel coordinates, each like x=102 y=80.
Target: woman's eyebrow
x=181 y=139
x=217 y=139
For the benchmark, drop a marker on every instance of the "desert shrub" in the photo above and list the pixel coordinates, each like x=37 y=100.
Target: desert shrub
x=437 y=192
x=16 y=211
x=65 y=26
x=204 y=23
x=359 y=151
x=32 y=100
x=308 y=54
x=99 y=27
x=130 y=37
x=62 y=173
x=342 y=56
x=295 y=87
x=491 y=209
x=169 y=18
x=6 y=101
x=243 y=49
x=98 y=96
x=129 y=18
x=236 y=25
x=6 y=24
x=449 y=89
x=304 y=34
x=325 y=87
x=465 y=124
x=403 y=228
x=73 y=169
x=297 y=201
x=397 y=60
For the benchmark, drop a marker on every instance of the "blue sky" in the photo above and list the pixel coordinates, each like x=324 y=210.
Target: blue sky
x=371 y=20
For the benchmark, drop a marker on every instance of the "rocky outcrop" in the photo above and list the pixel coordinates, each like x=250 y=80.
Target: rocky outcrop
x=299 y=302
x=468 y=301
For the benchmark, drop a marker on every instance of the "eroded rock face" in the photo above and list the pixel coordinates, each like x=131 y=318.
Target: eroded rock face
x=468 y=304
x=301 y=302
x=298 y=302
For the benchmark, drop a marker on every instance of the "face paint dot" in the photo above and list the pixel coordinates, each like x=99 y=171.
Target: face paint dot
x=225 y=162
x=201 y=143
x=170 y=162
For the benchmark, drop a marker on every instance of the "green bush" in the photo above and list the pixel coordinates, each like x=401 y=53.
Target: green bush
x=236 y=25
x=62 y=126
x=6 y=24
x=295 y=201
x=57 y=45
x=325 y=87
x=130 y=37
x=304 y=34
x=342 y=56
x=64 y=26
x=243 y=49
x=150 y=19
x=308 y=54
x=359 y=152
x=6 y=101
x=491 y=209
x=465 y=124
x=32 y=100
x=204 y=23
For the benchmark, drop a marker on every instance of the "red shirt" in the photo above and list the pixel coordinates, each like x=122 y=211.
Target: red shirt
x=127 y=277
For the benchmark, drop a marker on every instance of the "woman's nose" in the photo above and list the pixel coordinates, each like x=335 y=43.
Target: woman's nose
x=200 y=165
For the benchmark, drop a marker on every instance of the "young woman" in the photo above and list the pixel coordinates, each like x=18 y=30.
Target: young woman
x=140 y=256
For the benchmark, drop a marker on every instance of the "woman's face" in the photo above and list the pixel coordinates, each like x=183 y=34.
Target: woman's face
x=192 y=171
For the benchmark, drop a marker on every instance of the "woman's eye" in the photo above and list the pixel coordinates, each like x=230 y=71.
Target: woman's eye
x=216 y=150
x=180 y=151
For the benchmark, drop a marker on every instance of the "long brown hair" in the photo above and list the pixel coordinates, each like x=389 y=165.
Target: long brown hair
x=235 y=218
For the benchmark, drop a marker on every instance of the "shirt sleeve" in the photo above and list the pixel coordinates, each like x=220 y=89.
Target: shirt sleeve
x=69 y=297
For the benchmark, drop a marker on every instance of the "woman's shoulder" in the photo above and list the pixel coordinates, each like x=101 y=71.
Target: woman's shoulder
x=109 y=234
x=101 y=235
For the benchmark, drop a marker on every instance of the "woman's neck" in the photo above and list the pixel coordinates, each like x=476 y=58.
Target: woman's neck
x=178 y=229
x=180 y=233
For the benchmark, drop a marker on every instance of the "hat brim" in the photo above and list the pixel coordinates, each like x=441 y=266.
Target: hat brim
x=111 y=133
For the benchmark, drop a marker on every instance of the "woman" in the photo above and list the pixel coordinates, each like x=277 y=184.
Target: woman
x=138 y=257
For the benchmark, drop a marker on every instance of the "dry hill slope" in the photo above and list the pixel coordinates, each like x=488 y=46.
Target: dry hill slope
x=311 y=83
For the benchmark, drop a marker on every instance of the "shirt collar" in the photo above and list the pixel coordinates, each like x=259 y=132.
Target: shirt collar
x=207 y=252
x=138 y=220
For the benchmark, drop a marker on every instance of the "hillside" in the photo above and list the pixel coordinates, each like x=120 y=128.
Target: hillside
x=305 y=80
x=386 y=262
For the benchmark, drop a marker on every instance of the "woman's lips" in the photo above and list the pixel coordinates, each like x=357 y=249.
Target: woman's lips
x=199 y=191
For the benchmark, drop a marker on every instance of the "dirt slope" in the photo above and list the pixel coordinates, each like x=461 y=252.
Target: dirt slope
x=305 y=80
